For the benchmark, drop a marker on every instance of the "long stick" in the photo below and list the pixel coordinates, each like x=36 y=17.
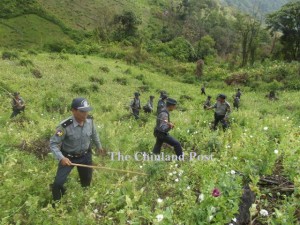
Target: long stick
x=106 y=168
x=10 y=94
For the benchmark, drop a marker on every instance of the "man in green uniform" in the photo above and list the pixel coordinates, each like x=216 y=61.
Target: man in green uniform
x=72 y=144
x=161 y=105
x=207 y=103
x=18 y=104
x=162 y=128
x=222 y=111
x=148 y=108
x=135 y=105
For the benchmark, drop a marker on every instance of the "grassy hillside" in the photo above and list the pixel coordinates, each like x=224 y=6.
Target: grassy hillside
x=30 y=31
x=88 y=14
x=27 y=168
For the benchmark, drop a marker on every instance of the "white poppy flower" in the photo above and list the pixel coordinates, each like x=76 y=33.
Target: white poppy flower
x=201 y=197
x=159 y=217
x=159 y=200
x=263 y=212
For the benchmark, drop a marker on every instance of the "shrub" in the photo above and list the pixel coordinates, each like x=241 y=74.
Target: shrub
x=140 y=77
x=205 y=47
x=36 y=73
x=144 y=88
x=237 y=79
x=104 y=69
x=60 y=46
x=94 y=88
x=121 y=80
x=54 y=103
x=79 y=89
x=182 y=49
x=10 y=55
x=128 y=71
x=26 y=62
x=98 y=80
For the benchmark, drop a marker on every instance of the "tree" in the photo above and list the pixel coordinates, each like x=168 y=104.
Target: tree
x=287 y=20
x=248 y=29
x=205 y=47
x=126 y=25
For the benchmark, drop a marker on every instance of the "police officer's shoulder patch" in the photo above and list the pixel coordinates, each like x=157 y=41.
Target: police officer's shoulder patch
x=66 y=123
x=59 y=133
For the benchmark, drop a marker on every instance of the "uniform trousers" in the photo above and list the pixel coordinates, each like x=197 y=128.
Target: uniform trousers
x=85 y=175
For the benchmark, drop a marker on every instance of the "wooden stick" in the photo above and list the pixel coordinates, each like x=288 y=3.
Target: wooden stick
x=106 y=168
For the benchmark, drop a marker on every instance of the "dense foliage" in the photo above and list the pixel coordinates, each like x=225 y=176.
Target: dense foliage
x=287 y=21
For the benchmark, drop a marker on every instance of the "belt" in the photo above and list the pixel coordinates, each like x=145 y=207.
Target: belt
x=74 y=155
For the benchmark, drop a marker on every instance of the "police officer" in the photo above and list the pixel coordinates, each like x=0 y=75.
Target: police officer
x=222 y=111
x=18 y=104
x=162 y=128
x=207 y=103
x=161 y=104
x=72 y=144
x=203 y=90
x=148 y=108
x=236 y=102
x=135 y=105
x=238 y=93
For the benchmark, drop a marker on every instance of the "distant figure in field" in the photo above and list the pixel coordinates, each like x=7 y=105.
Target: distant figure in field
x=222 y=112
x=18 y=104
x=135 y=105
x=207 y=103
x=203 y=90
x=148 y=108
x=238 y=93
x=236 y=102
x=272 y=96
x=161 y=104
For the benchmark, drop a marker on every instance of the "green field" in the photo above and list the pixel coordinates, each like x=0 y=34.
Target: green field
x=30 y=31
x=27 y=168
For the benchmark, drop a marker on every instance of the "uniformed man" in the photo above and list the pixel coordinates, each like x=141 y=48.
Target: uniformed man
x=236 y=102
x=238 y=93
x=72 y=144
x=207 y=103
x=148 y=108
x=203 y=90
x=18 y=104
x=161 y=104
x=162 y=128
x=135 y=105
x=222 y=111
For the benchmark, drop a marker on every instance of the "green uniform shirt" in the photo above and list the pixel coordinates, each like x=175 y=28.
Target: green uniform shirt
x=222 y=108
x=17 y=106
x=72 y=138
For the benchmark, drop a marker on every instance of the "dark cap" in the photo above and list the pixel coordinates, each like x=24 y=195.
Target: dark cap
x=171 y=101
x=16 y=93
x=209 y=96
x=151 y=96
x=222 y=96
x=81 y=104
x=164 y=96
x=136 y=94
